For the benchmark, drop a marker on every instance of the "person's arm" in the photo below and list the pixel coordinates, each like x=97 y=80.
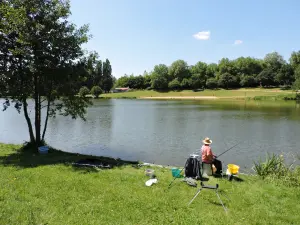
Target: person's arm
x=210 y=154
x=214 y=156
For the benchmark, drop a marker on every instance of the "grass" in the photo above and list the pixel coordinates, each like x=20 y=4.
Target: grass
x=243 y=93
x=46 y=189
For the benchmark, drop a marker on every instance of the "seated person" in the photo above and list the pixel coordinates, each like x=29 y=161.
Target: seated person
x=208 y=156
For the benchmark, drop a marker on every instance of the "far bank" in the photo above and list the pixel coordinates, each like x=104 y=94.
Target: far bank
x=238 y=94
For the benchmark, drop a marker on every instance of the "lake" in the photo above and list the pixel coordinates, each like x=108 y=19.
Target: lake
x=167 y=131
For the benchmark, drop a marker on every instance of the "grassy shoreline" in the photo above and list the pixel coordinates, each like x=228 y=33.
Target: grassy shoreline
x=46 y=189
x=237 y=94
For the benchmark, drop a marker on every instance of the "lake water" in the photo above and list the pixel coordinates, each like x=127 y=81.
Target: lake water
x=168 y=131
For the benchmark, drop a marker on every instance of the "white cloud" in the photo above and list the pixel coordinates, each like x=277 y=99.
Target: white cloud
x=238 y=42
x=202 y=35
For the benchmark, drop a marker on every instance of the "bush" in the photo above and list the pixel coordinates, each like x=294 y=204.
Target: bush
x=174 y=84
x=275 y=170
x=96 y=91
x=186 y=83
x=84 y=91
x=228 y=81
x=248 y=81
x=212 y=83
x=273 y=165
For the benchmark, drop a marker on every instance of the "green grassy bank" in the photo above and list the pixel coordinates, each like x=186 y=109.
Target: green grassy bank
x=46 y=189
x=250 y=93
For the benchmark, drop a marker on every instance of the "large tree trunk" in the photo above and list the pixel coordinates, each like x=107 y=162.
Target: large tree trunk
x=46 y=121
x=29 y=124
x=37 y=102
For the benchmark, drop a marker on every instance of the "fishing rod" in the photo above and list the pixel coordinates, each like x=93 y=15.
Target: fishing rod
x=228 y=150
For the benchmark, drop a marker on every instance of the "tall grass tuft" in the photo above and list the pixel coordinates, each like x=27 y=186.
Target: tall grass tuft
x=275 y=169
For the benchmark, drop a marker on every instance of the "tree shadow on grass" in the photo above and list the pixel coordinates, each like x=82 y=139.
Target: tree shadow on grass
x=27 y=157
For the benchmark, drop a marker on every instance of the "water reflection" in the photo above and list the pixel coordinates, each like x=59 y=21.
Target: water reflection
x=166 y=132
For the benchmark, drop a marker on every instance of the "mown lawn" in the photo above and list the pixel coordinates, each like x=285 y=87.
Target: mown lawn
x=46 y=189
x=238 y=93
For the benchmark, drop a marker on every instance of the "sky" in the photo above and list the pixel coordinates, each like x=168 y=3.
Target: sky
x=136 y=35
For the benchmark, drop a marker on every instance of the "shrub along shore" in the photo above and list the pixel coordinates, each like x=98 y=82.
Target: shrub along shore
x=47 y=189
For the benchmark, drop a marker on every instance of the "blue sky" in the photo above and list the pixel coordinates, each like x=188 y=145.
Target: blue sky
x=135 y=35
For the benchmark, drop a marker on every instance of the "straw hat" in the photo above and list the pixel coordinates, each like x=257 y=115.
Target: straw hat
x=207 y=141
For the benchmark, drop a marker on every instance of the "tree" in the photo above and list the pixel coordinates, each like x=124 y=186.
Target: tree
x=139 y=82
x=296 y=84
x=186 y=83
x=83 y=91
x=135 y=82
x=248 y=66
x=197 y=81
x=122 y=81
x=248 y=81
x=211 y=70
x=174 y=84
x=266 y=77
x=226 y=66
x=226 y=80
x=199 y=75
x=96 y=91
x=147 y=81
x=107 y=82
x=159 y=82
x=179 y=69
x=161 y=70
x=98 y=77
x=211 y=83
x=92 y=66
x=228 y=69
x=159 y=77
x=285 y=75
x=41 y=57
x=295 y=59
x=273 y=62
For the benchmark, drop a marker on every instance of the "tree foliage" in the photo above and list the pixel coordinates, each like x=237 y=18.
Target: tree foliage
x=227 y=80
x=107 y=81
x=83 y=91
x=41 y=57
x=295 y=59
x=96 y=91
x=273 y=70
x=212 y=83
x=186 y=83
x=199 y=75
x=159 y=77
x=266 y=77
x=174 y=84
x=179 y=69
x=285 y=75
x=248 y=81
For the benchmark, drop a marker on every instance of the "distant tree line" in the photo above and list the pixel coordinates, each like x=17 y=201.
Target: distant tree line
x=97 y=77
x=273 y=70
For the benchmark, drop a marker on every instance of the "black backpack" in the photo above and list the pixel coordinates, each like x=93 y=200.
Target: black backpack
x=192 y=168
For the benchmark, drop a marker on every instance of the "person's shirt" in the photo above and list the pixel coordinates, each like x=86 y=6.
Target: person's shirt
x=207 y=155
